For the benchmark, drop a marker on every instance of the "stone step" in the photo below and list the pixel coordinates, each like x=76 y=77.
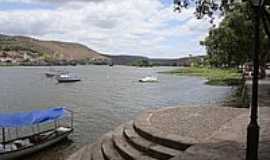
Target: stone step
x=96 y=150
x=87 y=153
x=153 y=149
x=108 y=150
x=144 y=128
x=127 y=151
x=79 y=154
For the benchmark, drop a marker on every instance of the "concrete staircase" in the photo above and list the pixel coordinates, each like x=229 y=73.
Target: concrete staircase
x=179 y=133
x=131 y=142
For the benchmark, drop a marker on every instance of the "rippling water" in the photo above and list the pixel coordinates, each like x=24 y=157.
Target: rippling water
x=106 y=97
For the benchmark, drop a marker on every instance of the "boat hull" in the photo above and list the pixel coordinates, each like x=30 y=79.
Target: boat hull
x=32 y=149
x=68 y=81
x=147 y=81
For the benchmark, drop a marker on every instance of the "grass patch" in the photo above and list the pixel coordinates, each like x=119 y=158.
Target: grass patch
x=215 y=76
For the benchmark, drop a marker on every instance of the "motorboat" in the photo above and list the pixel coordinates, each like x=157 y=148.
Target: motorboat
x=65 y=78
x=149 y=79
x=46 y=128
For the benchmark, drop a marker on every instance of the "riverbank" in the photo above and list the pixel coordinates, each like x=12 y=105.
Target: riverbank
x=215 y=76
x=219 y=77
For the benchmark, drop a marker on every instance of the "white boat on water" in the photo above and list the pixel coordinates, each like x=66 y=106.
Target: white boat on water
x=65 y=78
x=149 y=79
x=39 y=139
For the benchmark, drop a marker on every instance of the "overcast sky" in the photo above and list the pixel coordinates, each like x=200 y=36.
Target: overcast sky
x=136 y=27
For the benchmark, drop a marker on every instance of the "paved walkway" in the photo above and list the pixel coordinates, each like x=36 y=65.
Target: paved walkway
x=229 y=142
x=194 y=122
x=264 y=90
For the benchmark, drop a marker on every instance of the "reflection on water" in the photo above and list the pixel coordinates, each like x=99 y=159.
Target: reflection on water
x=106 y=97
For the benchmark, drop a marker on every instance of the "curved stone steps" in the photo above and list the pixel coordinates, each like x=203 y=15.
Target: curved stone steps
x=108 y=150
x=120 y=144
x=127 y=151
x=143 y=127
x=153 y=149
x=154 y=132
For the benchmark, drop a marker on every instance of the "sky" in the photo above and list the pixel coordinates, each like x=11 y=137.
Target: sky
x=134 y=27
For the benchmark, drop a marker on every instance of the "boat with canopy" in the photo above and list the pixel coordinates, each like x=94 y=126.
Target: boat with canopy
x=28 y=132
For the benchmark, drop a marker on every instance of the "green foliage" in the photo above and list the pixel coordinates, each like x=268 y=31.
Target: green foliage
x=231 y=44
x=47 y=57
x=215 y=76
x=141 y=63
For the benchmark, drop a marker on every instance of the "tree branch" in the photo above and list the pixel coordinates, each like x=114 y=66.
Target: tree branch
x=266 y=17
x=266 y=14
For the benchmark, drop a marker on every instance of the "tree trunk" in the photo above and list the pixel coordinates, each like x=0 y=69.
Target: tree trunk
x=263 y=70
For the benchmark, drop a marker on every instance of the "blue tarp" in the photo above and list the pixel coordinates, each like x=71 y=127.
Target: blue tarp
x=15 y=120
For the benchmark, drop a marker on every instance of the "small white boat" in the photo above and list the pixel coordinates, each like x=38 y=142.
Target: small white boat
x=21 y=146
x=149 y=79
x=65 y=78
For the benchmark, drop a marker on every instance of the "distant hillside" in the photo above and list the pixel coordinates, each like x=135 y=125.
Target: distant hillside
x=125 y=59
x=18 y=49
x=130 y=60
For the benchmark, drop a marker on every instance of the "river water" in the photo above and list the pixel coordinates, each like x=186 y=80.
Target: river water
x=106 y=97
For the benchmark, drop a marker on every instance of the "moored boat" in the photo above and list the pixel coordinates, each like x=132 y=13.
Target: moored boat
x=65 y=78
x=149 y=79
x=40 y=138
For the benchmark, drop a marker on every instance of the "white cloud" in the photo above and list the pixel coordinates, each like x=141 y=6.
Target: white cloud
x=51 y=1
x=140 y=27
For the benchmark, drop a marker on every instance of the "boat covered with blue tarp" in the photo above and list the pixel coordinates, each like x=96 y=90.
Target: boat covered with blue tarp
x=15 y=120
x=39 y=138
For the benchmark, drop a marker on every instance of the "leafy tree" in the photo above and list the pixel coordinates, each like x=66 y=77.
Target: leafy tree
x=209 y=7
x=231 y=43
